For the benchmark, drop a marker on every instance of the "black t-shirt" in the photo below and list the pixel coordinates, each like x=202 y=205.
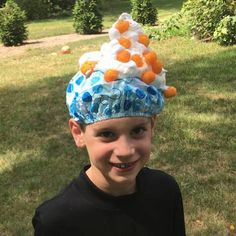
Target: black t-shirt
x=84 y=210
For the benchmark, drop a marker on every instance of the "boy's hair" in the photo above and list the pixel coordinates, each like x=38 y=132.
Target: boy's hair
x=123 y=79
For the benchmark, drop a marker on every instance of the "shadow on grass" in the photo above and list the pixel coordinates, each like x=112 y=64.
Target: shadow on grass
x=34 y=125
x=168 y=5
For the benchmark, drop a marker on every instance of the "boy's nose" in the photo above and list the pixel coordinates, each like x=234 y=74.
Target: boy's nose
x=124 y=147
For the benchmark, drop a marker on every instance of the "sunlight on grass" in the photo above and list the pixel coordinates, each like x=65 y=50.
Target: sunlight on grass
x=110 y=11
x=195 y=136
x=46 y=28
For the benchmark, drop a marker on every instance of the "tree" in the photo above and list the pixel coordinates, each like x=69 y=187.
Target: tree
x=87 y=17
x=12 y=24
x=144 y=12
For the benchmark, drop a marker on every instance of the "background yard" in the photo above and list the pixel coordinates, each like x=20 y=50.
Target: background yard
x=195 y=137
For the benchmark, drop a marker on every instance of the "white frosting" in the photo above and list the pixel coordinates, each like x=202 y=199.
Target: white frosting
x=160 y=81
x=107 y=56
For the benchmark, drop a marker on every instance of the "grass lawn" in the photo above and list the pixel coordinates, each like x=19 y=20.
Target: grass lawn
x=46 y=28
x=195 y=137
x=194 y=141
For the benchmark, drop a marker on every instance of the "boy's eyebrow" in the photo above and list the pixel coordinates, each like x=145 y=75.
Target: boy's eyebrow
x=108 y=127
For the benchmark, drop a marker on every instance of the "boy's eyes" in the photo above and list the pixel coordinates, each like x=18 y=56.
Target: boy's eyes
x=110 y=135
x=139 y=131
x=106 y=135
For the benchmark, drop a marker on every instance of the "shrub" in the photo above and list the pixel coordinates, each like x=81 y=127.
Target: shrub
x=87 y=17
x=204 y=16
x=12 y=24
x=144 y=12
x=225 y=33
x=175 y=26
x=59 y=7
x=2 y=2
x=41 y=9
x=34 y=9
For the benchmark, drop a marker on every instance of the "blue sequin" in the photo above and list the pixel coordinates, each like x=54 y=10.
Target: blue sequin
x=108 y=112
x=87 y=97
x=95 y=79
x=98 y=88
x=79 y=80
x=140 y=94
x=70 y=88
x=127 y=105
x=136 y=107
x=128 y=90
x=117 y=108
x=94 y=107
x=151 y=90
x=90 y=117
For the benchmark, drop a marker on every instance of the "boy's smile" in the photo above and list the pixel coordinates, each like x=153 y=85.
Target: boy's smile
x=117 y=149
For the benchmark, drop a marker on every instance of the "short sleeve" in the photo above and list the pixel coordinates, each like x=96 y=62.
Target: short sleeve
x=39 y=228
x=179 y=224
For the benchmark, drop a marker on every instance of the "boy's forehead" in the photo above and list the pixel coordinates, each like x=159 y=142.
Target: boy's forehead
x=124 y=121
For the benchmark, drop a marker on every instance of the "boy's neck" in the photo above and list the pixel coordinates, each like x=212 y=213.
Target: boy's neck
x=113 y=189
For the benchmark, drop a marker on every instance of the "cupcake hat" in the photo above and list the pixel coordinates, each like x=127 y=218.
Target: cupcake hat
x=125 y=78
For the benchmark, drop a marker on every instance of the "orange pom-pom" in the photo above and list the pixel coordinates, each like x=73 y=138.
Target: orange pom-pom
x=150 y=57
x=143 y=39
x=157 y=67
x=87 y=67
x=111 y=75
x=148 y=77
x=123 y=56
x=170 y=92
x=126 y=43
x=137 y=59
x=122 y=26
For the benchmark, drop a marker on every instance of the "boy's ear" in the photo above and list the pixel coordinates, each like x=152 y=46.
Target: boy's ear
x=77 y=133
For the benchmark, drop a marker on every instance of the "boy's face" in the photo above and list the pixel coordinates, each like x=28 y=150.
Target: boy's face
x=117 y=149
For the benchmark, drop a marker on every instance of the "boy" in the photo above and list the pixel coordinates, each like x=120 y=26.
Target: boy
x=113 y=101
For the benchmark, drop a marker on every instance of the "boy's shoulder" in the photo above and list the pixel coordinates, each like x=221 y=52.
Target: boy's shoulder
x=152 y=180
x=58 y=208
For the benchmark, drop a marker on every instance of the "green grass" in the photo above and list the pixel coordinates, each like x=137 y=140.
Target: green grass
x=50 y=27
x=111 y=10
x=194 y=141
x=195 y=137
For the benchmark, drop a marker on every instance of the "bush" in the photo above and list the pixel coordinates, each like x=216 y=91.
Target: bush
x=59 y=7
x=225 y=33
x=12 y=24
x=41 y=9
x=34 y=9
x=204 y=16
x=2 y=2
x=144 y=12
x=87 y=17
x=175 y=26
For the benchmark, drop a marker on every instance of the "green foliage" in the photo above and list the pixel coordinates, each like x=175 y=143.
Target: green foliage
x=87 y=17
x=204 y=16
x=37 y=148
x=42 y=9
x=2 y=2
x=34 y=9
x=225 y=33
x=174 y=26
x=12 y=24
x=59 y=7
x=144 y=12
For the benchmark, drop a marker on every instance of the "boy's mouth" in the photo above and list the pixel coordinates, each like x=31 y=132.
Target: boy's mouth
x=123 y=166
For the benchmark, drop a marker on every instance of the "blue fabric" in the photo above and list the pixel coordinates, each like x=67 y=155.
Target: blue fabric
x=92 y=99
